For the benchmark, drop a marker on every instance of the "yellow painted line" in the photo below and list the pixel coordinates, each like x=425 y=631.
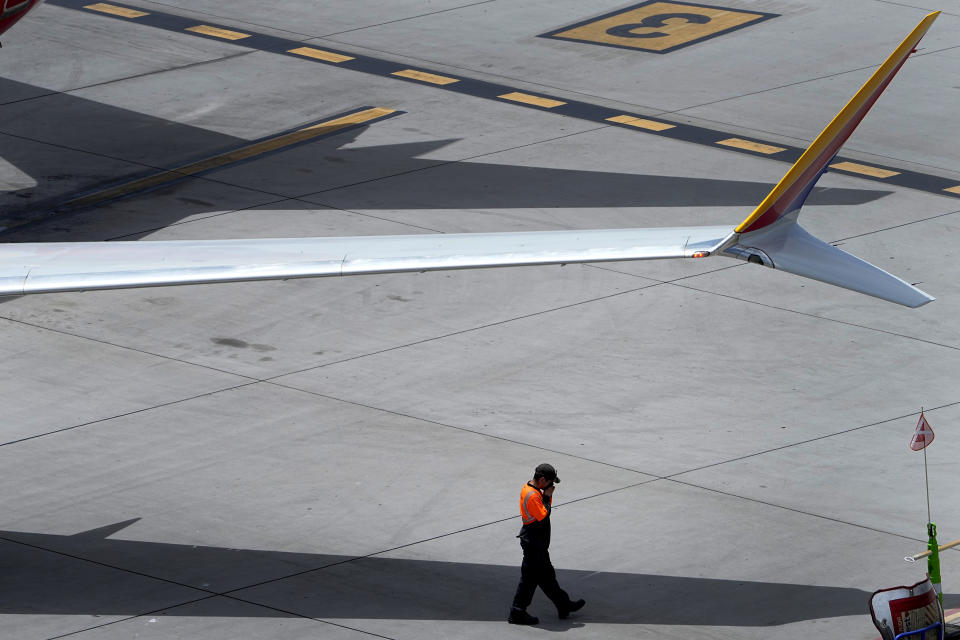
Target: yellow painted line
x=751 y=146
x=526 y=98
x=424 y=77
x=874 y=172
x=955 y=189
x=952 y=617
x=643 y=123
x=217 y=32
x=114 y=10
x=320 y=54
x=243 y=153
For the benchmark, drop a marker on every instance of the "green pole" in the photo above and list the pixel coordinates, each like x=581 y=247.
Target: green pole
x=933 y=561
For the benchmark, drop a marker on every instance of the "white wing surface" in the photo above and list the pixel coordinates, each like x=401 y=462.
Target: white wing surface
x=769 y=236
x=79 y=266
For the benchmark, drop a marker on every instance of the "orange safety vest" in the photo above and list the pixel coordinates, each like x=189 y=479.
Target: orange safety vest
x=532 y=508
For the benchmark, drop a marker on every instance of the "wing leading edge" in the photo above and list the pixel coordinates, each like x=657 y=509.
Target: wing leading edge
x=81 y=266
x=769 y=236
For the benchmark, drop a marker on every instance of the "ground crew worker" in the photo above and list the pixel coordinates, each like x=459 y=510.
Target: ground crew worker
x=536 y=498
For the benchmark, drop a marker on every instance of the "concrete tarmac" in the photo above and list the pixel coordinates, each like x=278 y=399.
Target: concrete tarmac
x=342 y=458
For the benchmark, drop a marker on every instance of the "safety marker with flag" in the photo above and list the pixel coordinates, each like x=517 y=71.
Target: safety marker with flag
x=923 y=435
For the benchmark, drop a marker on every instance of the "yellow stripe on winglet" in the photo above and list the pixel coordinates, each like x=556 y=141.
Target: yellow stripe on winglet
x=643 y=123
x=737 y=143
x=955 y=189
x=826 y=136
x=320 y=54
x=114 y=10
x=866 y=170
x=526 y=98
x=217 y=32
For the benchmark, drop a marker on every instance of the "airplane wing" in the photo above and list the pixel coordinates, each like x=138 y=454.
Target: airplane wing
x=79 y=266
x=769 y=236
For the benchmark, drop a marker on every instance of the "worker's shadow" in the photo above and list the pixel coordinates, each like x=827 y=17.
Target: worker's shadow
x=91 y=573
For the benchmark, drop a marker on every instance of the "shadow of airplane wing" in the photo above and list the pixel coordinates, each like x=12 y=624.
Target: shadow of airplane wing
x=344 y=587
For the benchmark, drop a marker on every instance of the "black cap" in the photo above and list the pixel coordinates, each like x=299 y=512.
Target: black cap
x=547 y=471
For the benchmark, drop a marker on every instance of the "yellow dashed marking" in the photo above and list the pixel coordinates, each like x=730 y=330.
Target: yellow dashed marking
x=643 y=123
x=320 y=54
x=123 y=12
x=217 y=32
x=864 y=169
x=955 y=189
x=526 y=98
x=424 y=76
x=243 y=153
x=751 y=146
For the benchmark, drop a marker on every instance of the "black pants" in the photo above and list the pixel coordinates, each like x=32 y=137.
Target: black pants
x=537 y=571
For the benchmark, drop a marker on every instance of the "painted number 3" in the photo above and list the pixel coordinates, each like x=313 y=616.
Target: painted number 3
x=656 y=22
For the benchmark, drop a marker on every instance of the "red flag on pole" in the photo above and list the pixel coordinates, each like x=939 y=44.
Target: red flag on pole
x=923 y=434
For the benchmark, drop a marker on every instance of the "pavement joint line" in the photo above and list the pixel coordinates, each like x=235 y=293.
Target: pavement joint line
x=675 y=282
x=460 y=332
x=125 y=347
x=422 y=15
x=653 y=477
x=128 y=413
x=809 y=440
x=798 y=511
x=211 y=594
x=482 y=89
x=425 y=540
x=897 y=226
x=814 y=316
x=373 y=217
x=475 y=432
x=201 y=218
x=653 y=283
x=135 y=76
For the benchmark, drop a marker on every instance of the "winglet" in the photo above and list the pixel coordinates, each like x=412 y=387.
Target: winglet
x=792 y=190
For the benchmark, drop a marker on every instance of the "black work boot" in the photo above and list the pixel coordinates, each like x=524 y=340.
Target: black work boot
x=564 y=612
x=520 y=616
